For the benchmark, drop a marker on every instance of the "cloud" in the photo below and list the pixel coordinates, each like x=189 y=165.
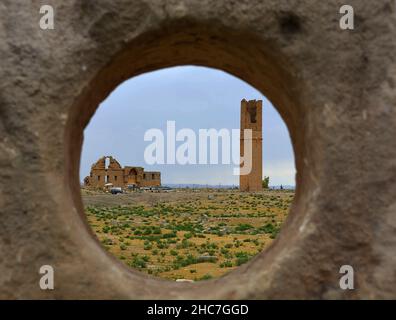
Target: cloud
x=195 y=97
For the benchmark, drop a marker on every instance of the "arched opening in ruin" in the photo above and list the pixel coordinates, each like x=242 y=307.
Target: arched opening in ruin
x=132 y=177
x=243 y=56
x=200 y=219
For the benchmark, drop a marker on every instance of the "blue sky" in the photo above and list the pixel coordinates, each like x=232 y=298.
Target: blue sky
x=193 y=97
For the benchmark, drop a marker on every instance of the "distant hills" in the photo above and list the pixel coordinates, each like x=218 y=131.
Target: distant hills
x=218 y=186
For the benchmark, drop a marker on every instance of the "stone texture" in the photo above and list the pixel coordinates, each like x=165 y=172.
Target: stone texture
x=251 y=119
x=334 y=89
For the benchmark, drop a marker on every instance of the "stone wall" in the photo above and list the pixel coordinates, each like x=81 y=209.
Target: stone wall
x=251 y=119
x=151 y=179
x=120 y=177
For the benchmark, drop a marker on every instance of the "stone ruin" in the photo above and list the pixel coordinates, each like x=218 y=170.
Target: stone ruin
x=102 y=175
x=251 y=119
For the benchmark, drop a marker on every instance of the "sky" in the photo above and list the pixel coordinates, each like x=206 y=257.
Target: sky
x=194 y=97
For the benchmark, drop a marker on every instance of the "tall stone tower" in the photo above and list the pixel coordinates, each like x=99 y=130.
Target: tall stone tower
x=251 y=118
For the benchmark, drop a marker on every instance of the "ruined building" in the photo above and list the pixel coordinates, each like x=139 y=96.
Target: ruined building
x=251 y=118
x=108 y=170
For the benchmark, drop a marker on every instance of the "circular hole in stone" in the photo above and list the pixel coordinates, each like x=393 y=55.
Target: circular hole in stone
x=164 y=203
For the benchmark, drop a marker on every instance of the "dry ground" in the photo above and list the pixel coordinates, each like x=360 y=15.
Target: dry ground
x=189 y=234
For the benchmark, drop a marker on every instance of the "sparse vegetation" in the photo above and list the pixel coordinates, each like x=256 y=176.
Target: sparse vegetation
x=266 y=183
x=189 y=234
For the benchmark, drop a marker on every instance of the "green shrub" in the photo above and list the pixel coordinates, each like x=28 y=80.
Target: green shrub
x=241 y=258
x=226 y=264
x=206 y=277
x=188 y=235
x=243 y=227
x=138 y=263
x=107 y=241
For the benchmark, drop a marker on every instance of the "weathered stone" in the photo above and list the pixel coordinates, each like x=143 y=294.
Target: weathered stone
x=100 y=175
x=335 y=90
x=251 y=119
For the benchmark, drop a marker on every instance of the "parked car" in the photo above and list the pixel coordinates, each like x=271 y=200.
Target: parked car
x=116 y=190
x=166 y=189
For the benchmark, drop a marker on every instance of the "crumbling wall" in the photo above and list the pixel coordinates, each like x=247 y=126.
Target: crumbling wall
x=120 y=177
x=251 y=174
x=151 y=179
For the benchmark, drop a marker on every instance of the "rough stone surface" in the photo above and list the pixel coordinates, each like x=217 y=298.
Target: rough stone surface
x=251 y=171
x=334 y=89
